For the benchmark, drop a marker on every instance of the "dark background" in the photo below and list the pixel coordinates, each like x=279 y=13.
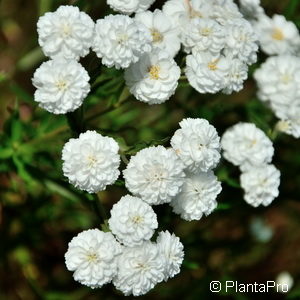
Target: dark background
x=40 y=212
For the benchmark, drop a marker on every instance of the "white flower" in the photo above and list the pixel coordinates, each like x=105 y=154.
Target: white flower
x=92 y=255
x=154 y=174
x=139 y=269
x=237 y=74
x=225 y=11
x=165 y=34
x=197 y=144
x=205 y=34
x=241 y=41
x=245 y=145
x=91 y=161
x=120 y=40
x=154 y=78
x=172 y=250
x=290 y=125
x=181 y=12
x=67 y=32
x=278 y=81
x=206 y=72
x=132 y=221
x=251 y=9
x=198 y=196
x=61 y=85
x=129 y=6
x=277 y=35
x=260 y=185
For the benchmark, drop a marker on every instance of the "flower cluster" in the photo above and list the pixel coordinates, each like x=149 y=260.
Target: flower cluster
x=247 y=147
x=278 y=77
x=197 y=143
x=278 y=81
x=62 y=83
x=276 y=35
x=96 y=258
x=182 y=175
x=219 y=42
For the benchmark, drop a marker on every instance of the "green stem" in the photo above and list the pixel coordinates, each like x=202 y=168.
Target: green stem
x=105 y=111
x=99 y=208
x=47 y=135
x=76 y=120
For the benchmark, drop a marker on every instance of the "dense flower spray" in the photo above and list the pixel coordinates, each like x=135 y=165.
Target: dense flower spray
x=219 y=42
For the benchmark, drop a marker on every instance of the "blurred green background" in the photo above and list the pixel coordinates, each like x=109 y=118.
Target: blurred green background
x=40 y=212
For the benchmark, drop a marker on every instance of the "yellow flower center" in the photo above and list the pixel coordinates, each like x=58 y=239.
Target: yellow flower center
x=142 y=266
x=205 y=31
x=154 y=72
x=122 y=38
x=213 y=65
x=137 y=219
x=92 y=257
x=66 y=30
x=286 y=78
x=156 y=36
x=277 y=34
x=195 y=14
x=61 y=85
x=91 y=160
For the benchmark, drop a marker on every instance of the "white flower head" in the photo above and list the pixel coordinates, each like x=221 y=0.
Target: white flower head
x=165 y=35
x=154 y=174
x=139 y=269
x=181 y=12
x=61 y=85
x=245 y=145
x=260 y=185
x=206 y=72
x=92 y=256
x=237 y=74
x=225 y=11
x=277 y=35
x=120 y=40
x=129 y=6
x=171 y=249
x=205 y=34
x=198 y=196
x=278 y=81
x=154 y=78
x=251 y=9
x=67 y=33
x=241 y=41
x=291 y=125
x=197 y=144
x=91 y=161
x=132 y=221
